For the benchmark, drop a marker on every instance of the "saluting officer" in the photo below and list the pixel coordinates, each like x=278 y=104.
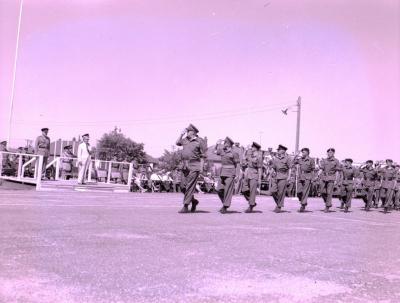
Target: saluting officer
x=193 y=155
x=253 y=164
x=306 y=175
x=348 y=174
x=229 y=160
x=42 y=147
x=388 y=184
x=281 y=164
x=329 y=168
x=369 y=177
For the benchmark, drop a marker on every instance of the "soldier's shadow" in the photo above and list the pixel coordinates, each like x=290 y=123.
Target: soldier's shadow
x=330 y=211
x=201 y=212
x=305 y=211
x=256 y=212
x=282 y=212
x=230 y=212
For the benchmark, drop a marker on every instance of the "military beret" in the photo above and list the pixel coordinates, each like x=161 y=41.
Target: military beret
x=3 y=143
x=256 y=145
x=20 y=148
x=348 y=160
x=85 y=135
x=389 y=160
x=282 y=147
x=68 y=146
x=370 y=162
x=229 y=141
x=44 y=129
x=306 y=149
x=331 y=150
x=192 y=128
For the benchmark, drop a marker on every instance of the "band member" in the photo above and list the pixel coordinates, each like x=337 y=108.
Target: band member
x=369 y=177
x=229 y=162
x=42 y=147
x=84 y=158
x=348 y=174
x=281 y=164
x=329 y=168
x=66 y=162
x=252 y=165
x=193 y=155
x=388 y=184
x=306 y=167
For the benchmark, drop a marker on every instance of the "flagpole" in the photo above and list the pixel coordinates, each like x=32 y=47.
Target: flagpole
x=14 y=73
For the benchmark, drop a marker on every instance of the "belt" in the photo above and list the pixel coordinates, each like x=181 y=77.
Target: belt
x=389 y=179
x=194 y=161
x=348 y=179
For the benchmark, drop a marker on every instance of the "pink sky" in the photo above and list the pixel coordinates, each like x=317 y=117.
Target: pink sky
x=151 y=67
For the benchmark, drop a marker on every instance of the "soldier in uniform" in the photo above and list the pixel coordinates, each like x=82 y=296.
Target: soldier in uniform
x=229 y=161
x=329 y=168
x=252 y=165
x=369 y=177
x=193 y=155
x=377 y=186
x=42 y=147
x=3 y=157
x=306 y=168
x=397 y=189
x=388 y=184
x=67 y=159
x=281 y=164
x=348 y=174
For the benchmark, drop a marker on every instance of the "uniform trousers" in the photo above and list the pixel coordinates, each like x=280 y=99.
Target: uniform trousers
x=327 y=192
x=278 y=190
x=249 y=190
x=83 y=168
x=303 y=191
x=226 y=188
x=189 y=185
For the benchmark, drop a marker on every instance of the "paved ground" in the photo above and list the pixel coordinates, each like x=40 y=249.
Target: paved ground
x=81 y=247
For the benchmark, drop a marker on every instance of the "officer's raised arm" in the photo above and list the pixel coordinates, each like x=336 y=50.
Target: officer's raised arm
x=179 y=141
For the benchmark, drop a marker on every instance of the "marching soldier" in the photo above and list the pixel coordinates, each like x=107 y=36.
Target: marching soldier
x=306 y=175
x=229 y=161
x=84 y=159
x=348 y=174
x=328 y=171
x=377 y=186
x=281 y=164
x=42 y=147
x=253 y=164
x=193 y=155
x=388 y=184
x=369 y=177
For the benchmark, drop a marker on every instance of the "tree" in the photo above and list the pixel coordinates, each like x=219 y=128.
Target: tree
x=116 y=144
x=170 y=160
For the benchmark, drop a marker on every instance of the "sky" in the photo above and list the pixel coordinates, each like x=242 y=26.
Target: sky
x=227 y=66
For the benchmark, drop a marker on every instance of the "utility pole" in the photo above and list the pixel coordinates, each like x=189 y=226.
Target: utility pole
x=298 y=125
x=14 y=74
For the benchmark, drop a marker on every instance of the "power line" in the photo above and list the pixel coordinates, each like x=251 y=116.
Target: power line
x=170 y=119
